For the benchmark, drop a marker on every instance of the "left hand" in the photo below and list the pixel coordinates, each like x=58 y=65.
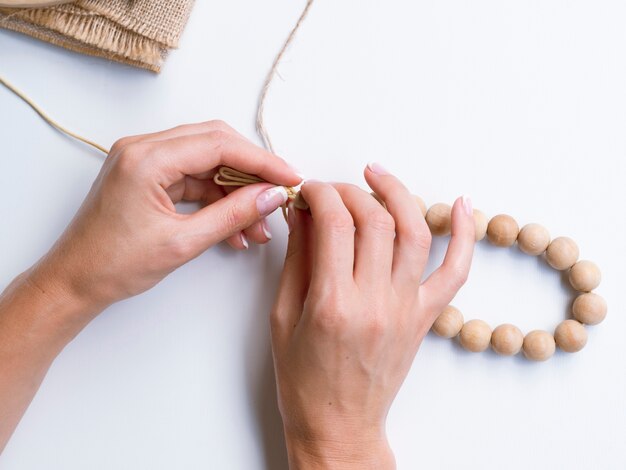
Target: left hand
x=128 y=235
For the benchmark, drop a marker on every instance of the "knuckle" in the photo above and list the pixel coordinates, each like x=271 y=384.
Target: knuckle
x=234 y=217
x=458 y=276
x=338 y=221
x=381 y=221
x=330 y=315
x=376 y=325
x=131 y=159
x=218 y=138
x=276 y=321
x=178 y=247
x=420 y=239
x=219 y=125
x=120 y=144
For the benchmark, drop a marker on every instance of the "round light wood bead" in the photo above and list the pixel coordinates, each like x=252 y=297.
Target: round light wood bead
x=439 y=219
x=533 y=239
x=589 y=308
x=585 y=276
x=448 y=323
x=502 y=230
x=475 y=335
x=562 y=253
x=480 y=224
x=507 y=340
x=421 y=204
x=570 y=336
x=539 y=345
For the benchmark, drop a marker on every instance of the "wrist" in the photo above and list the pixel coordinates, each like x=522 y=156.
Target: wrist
x=52 y=311
x=357 y=450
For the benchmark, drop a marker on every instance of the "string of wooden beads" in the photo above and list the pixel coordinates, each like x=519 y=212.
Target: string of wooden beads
x=562 y=254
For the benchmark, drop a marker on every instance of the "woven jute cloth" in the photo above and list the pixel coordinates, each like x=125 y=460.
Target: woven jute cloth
x=135 y=32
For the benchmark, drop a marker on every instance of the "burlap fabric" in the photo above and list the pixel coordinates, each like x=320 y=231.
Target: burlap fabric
x=135 y=32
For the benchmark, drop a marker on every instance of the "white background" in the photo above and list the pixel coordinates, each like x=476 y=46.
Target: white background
x=522 y=105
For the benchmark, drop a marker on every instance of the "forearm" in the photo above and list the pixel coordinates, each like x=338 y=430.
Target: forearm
x=36 y=322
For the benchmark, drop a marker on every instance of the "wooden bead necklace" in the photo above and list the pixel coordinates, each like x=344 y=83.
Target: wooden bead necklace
x=561 y=254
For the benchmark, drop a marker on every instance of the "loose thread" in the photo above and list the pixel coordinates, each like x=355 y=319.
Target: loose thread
x=260 y=122
x=48 y=119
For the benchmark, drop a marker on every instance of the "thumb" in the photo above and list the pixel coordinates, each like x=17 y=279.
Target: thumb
x=232 y=214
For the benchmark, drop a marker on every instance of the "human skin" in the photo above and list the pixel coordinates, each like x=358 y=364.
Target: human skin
x=126 y=237
x=351 y=313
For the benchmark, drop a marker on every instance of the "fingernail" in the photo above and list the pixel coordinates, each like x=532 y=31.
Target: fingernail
x=377 y=168
x=467 y=205
x=270 y=200
x=244 y=240
x=291 y=216
x=266 y=229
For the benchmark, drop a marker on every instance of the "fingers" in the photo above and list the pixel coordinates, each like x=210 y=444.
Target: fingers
x=169 y=160
x=443 y=284
x=374 y=236
x=178 y=131
x=333 y=226
x=198 y=153
x=295 y=278
x=412 y=242
x=228 y=216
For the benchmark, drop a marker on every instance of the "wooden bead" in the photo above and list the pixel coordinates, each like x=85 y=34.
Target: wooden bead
x=502 y=230
x=585 y=276
x=475 y=335
x=570 y=336
x=439 y=219
x=562 y=253
x=507 y=340
x=539 y=345
x=533 y=239
x=421 y=204
x=589 y=308
x=480 y=224
x=448 y=323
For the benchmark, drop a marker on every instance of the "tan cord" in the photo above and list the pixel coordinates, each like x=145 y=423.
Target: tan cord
x=260 y=123
x=227 y=176
x=48 y=119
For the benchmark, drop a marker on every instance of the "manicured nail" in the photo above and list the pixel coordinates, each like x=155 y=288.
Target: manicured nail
x=291 y=216
x=270 y=200
x=467 y=205
x=244 y=240
x=266 y=229
x=377 y=168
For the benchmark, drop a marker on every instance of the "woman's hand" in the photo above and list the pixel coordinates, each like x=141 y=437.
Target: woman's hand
x=351 y=314
x=127 y=235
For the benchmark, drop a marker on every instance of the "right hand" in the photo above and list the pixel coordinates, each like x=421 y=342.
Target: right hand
x=351 y=313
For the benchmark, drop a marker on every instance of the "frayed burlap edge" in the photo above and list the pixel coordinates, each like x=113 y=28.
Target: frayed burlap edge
x=57 y=39
x=86 y=32
x=169 y=37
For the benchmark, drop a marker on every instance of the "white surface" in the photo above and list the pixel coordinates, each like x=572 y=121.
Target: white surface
x=520 y=104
